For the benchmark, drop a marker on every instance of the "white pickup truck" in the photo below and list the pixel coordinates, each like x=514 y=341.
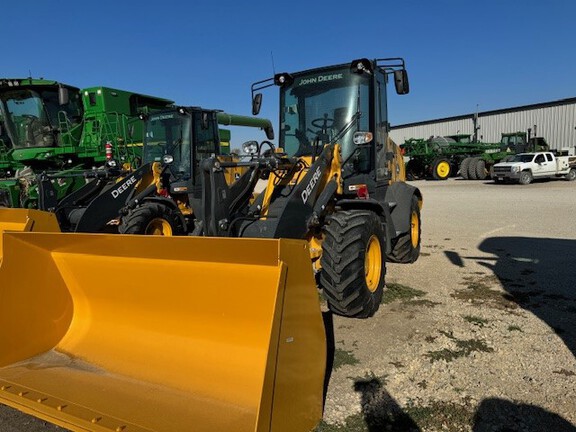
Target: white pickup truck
x=525 y=167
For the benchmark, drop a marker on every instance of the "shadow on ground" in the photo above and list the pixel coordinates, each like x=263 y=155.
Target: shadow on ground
x=505 y=416
x=539 y=275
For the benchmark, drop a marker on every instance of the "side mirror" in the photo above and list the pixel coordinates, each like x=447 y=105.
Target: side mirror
x=401 y=81
x=256 y=103
x=63 y=96
x=269 y=132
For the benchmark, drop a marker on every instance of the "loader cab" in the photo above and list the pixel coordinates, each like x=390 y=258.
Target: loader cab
x=37 y=113
x=186 y=135
x=344 y=104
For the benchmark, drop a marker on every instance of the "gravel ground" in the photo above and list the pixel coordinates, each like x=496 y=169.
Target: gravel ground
x=478 y=335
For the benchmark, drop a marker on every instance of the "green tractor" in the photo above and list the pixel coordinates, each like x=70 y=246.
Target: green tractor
x=440 y=157
x=47 y=126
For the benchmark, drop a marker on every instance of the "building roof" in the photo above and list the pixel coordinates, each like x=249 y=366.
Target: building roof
x=559 y=102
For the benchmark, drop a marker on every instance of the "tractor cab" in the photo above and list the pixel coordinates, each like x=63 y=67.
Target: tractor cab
x=181 y=138
x=343 y=104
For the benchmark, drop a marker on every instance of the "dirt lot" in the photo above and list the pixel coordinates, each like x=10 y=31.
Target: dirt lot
x=478 y=335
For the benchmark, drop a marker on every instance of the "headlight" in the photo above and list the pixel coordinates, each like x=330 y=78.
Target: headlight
x=167 y=159
x=362 y=138
x=515 y=169
x=250 y=147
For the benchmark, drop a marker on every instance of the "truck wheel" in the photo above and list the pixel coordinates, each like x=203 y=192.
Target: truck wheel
x=481 y=172
x=406 y=250
x=152 y=219
x=571 y=176
x=525 y=177
x=472 y=168
x=441 y=169
x=464 y=168
x=353 y=264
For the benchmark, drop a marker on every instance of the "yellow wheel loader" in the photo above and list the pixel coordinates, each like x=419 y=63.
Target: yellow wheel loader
x=335 y=181
x=219 y=330
x=158 y=190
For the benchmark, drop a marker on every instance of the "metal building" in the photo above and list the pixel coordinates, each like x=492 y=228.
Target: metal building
x=555 y=121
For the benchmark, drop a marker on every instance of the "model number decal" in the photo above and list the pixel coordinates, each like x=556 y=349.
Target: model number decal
x=306 y=192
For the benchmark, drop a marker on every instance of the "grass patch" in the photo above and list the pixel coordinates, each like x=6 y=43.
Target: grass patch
x=464 y=347
x=343 y=357
x=436 y=416
x=477 y=321
x=564 y=372
x=444 y=416
x=422 y=303
x=398 y=292
x=478 y=292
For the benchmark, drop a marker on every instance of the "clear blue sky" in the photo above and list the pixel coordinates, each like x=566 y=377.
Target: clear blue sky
x=459 y=54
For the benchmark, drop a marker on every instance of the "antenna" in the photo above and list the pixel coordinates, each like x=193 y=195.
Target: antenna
x=273 y=67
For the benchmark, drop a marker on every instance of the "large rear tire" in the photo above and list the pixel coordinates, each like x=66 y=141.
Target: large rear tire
x=464 y=168
x=481 y=171
x=152 y=218
x=472 y=168
x=353 y=264
x=406 y=249
x=441 y=169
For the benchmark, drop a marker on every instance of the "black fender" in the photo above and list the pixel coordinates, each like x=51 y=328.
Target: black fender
x=399 y=199
x=108 y=204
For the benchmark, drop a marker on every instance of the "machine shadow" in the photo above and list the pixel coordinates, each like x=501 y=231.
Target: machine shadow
x=379 y=409
x=502 y=415
x=539 y=275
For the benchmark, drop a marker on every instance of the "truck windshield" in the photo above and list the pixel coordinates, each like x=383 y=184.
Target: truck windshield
x=322 y=107
x=33 y=116
x=523 y=158
x=169 y=134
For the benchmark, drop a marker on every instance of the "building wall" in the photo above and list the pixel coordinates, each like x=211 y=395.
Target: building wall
x=555 y=121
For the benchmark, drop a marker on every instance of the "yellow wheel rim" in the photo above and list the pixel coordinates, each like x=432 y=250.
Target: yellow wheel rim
x=373 y=263
x=158 y=226
x=415 y=229
x=443 y=169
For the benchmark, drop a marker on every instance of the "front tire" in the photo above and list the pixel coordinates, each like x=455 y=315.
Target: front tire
x=406 y=249
x=441 y=169
x=353 y=264
x=152 y=218
x=525 y=177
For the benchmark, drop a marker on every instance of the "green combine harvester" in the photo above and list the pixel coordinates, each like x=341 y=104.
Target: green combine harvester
x=47 y=126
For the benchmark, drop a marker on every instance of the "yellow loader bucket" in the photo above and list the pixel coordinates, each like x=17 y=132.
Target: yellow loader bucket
x=143 y=333
x=26 y=220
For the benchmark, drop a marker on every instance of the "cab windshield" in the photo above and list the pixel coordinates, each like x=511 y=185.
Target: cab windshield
x=169 y=134
x=33 y=116
x=323 y=107
x=523 y=158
